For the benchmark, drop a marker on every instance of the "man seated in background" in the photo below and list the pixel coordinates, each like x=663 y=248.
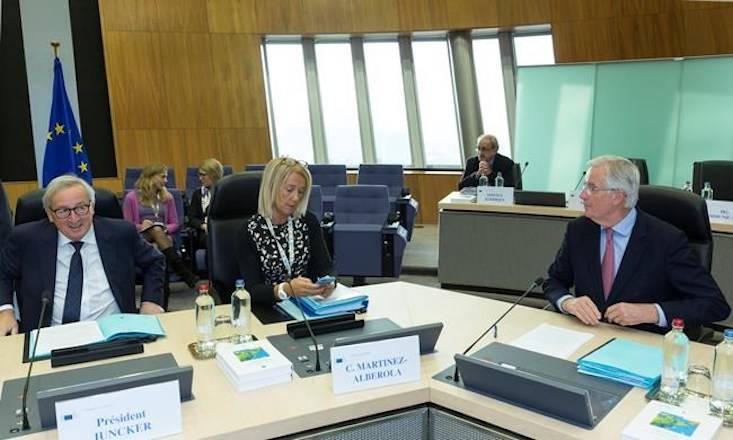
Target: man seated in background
x=87 y=262
x=487 y=163
x=628 y=267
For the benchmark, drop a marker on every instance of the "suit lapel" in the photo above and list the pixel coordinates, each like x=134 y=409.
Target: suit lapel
x=47 y=262
x=592 y=257
x=108 y=255
x=630 y=261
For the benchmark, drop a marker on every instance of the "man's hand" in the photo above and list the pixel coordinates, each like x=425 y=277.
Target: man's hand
x=484 y=168
x=8 y=324
x=632 y=314
x=583 y=308
x=150 y=308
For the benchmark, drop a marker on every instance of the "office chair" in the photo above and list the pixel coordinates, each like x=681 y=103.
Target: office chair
x=255 y=167
x=132 y=174
x=402 y=203
x=643 y=170
x=720 y=175
x=315 y=202
x=364 y=244
x=29 y=206
x=328 y=177
x=6 y=222
x=233 y=201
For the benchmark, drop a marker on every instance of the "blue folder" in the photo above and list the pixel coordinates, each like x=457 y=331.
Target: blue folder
x=624 y=361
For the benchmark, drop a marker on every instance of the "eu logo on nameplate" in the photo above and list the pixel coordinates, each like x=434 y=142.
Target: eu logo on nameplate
x=375 y=364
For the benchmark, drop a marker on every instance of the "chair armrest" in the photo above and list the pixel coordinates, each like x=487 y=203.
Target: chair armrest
x=356 y=227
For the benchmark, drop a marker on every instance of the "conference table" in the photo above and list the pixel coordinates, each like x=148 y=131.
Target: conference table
x=492 y=247
x=218 y=411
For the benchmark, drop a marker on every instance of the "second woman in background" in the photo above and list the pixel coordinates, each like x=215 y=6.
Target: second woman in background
x=152 y=209
x=209 y=173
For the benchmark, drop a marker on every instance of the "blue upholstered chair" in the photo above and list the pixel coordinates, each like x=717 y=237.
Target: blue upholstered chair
x=364 y=244
x=255 y=167
x=315 y=202
x=132 y=174
x=328 y=177
x=402 y=203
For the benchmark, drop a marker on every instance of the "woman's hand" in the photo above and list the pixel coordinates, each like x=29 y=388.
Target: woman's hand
x=146 y=224
x=302 y=286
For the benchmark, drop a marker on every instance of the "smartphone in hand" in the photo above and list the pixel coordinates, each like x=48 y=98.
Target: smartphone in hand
x=325 y=280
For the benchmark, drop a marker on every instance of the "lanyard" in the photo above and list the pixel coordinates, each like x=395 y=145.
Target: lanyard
x=291 y=247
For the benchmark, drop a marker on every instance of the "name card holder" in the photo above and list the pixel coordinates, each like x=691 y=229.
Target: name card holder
x=720 y=211
x=498 y=195
x=573 y=200
x=375 y=364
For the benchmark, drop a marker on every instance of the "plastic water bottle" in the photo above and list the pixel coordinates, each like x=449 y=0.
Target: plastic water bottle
x=499 y=179
x=241 y=313
x=205 y=315
x=721 y=402
x=707 y=191
x=687 y=186
x=483 y=180
x=674 y=369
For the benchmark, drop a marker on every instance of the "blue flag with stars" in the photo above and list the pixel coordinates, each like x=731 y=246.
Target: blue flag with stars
x=65 y=150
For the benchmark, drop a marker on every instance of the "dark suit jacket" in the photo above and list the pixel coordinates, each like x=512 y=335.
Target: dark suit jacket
x=658 y=266
x=501 y=164
x=196 y=217
x=28 y=264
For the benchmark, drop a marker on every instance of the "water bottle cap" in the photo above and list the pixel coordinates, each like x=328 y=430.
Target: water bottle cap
x=728 y=333
x=678 y=323
x=203 y=287
x=239 y=283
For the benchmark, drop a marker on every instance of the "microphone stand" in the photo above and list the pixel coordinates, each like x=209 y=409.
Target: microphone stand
x=537 y=282
x=44 y=302
x=308 y=326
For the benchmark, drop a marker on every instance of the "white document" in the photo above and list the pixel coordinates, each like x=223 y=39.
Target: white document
x=667 y=422
x=146 y=412
x=720 y=211
x=552 y=341
x=339 y=293
x=375 y=364
x=64 y=336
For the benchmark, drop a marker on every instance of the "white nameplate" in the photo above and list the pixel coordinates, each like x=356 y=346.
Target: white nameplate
x=150 y=411
x=499 y=195
x=720 y=211
x=375 y=364
x=573 y=200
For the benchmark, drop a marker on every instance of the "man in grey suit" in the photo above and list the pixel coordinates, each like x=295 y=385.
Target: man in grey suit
x=87 y=263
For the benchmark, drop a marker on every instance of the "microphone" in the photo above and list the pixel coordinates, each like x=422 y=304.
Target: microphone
x=522 y=171
x=46 y=296
x=308 y=326
x=537 y=282
x=579 y=180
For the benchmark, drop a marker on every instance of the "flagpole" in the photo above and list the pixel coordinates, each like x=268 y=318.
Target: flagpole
x=55 y=45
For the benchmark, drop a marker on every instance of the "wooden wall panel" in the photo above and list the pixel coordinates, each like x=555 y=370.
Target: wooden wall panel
x=643 y=7
x=591 y=40
x=573 y=10
x=512 y=13
x=327 y=16
x=129 y=15
x=189 y=94
x=650 y=36
x=182 y=15
x=423 y=14
x=464 y=14
x=429 y=188
x=232 y=16
x=280 y=16
x=707 y=32
x=375 y=15
x=244 y=146
x=136 y=94
x=238 y=75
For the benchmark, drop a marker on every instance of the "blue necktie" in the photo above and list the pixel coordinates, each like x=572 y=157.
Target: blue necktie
x=72 y=303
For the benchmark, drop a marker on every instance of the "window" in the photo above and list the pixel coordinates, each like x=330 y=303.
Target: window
x=338 y=103
x=388 y=99
x=386 y=102
x=436 y=103
x=289 y=100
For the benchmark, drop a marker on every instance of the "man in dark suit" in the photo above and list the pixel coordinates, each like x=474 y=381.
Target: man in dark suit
x=87 y=263
x=488 y=163
x=628 y=267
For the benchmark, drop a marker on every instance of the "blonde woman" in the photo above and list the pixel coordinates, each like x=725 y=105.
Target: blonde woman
x=281 y=252
x=210 y=171
x=151 y=208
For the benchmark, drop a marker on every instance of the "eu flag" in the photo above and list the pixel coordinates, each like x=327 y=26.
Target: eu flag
x=65 y=150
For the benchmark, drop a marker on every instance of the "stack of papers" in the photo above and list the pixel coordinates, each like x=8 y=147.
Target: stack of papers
x=664 y=421
x=253 y=365
x=624 y=361
x=342 y=300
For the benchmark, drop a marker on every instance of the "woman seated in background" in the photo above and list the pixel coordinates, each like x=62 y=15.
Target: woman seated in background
x=152 y=209
x=281 y=252
x=209 y=173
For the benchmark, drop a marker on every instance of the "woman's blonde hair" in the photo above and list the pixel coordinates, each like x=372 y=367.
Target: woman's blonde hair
x=147 y=193
x=213 y=168
x=275 y=174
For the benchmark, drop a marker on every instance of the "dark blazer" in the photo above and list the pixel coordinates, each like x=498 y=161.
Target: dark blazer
x=196 y=217
x=658 y=266
x=501 y=164
x=28 y=264
x=320 y=262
